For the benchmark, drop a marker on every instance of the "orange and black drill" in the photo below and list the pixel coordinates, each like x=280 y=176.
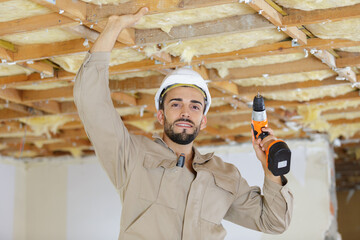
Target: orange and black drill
x=278 y=154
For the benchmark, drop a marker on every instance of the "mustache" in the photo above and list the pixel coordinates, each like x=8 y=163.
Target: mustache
x=184 y=120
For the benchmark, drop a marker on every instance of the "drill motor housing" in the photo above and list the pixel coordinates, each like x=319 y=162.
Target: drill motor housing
x=278 y=154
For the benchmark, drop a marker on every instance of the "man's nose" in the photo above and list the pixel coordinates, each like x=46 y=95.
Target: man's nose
x=184 y=112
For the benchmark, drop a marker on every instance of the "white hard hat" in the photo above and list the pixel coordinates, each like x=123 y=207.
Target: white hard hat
x=184 y=76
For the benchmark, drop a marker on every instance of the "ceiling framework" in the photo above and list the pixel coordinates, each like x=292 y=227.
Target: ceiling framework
x=310 y=78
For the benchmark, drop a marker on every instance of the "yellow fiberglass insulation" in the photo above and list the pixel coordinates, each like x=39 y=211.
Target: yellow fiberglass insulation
x=351 y=49
x=166 y=21
x=17 y=9
x=124 y=111
x=124 y=76
x=225 y=43
x=46 y=124
x=345 y=29
x=145 y=125
x=346 y=130
x=346 y=115
x=43 y=86
x=23 y=154
x=222 y=67
x=100 y=2
x=9 y=70
x=41 y=143
x=76 y=152
x=317 y=4
x=41 y=36
x=312 y=118
x=285 y=78
x=307 y=94
x=72 y=63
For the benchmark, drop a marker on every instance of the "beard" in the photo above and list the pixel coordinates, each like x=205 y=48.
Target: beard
x=182 y=138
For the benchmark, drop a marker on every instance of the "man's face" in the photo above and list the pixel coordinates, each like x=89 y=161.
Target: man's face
x=183 y=116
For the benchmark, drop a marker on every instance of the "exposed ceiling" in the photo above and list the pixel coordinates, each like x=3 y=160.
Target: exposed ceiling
x=302 y=56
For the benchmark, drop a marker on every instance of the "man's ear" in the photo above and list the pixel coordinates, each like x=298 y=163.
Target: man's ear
x=203 y=123
x=160 y=116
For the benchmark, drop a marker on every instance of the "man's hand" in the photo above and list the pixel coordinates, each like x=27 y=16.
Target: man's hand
x=260 y=147
x=114 y=26
x=126 y=21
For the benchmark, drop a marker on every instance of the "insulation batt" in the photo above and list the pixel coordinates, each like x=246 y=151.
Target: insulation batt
x=225 y=43
x=165 y=21
x=120 y=77
x=42 y=36
x=17 y=9
x=24 y=154
x=313 y=119
x=43 y=86
x=222 y=67
x=100 y=2
x=72 y=63
x=41 y=143
x=310 y=93
x=309 y=5
x=285 y=78
x=145 y=125
x=9 y=70
x=351 y=49
x=345 y=29
x=46 y=124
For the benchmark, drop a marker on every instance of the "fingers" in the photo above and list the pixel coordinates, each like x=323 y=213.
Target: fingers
x=267 y=129
x=141 y=13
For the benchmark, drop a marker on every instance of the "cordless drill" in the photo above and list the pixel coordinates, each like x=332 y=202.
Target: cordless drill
x=277 y=152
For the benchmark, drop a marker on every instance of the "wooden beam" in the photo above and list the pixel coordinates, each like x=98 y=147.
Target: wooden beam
x=124 y=98
x=35 y=23
x=297 y=17
x=12 y=95
x=39 y=66
x=70 y=8
x=40 y=95
x=302 y=65
x=6 y=54
x=41 y=51
x=148 y=101
x=275 y=18
x=227 y=25
x=329 y=59
x=348 y=61
x=96 y=13
x=46 y=106
x=290 y=86
x=6 y=113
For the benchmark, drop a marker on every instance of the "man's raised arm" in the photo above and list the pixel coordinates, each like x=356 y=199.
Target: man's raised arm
x=114 y=146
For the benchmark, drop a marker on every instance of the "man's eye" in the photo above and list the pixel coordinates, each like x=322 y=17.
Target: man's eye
x=195 y=107
x=175 y=105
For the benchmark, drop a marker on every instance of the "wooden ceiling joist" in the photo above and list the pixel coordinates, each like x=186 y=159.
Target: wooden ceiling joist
x=35 y=23
x=298 y=17
x=302 y=65
x=227 y=25
x=276 y=18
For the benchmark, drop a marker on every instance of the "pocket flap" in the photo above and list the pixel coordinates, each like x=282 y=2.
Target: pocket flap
x=226 y=183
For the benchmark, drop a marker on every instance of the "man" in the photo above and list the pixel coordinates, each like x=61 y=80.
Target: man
x=160 y=198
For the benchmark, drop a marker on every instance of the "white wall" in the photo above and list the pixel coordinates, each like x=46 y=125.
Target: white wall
x=73 y=199
x=7 y=200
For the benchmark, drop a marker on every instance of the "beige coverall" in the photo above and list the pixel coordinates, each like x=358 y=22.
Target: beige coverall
x=160 y=200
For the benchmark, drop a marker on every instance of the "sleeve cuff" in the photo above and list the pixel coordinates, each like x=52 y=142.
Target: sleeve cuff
x=97 y=58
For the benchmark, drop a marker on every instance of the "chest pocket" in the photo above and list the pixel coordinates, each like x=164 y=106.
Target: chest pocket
x=158 y=183
x=218 y=198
